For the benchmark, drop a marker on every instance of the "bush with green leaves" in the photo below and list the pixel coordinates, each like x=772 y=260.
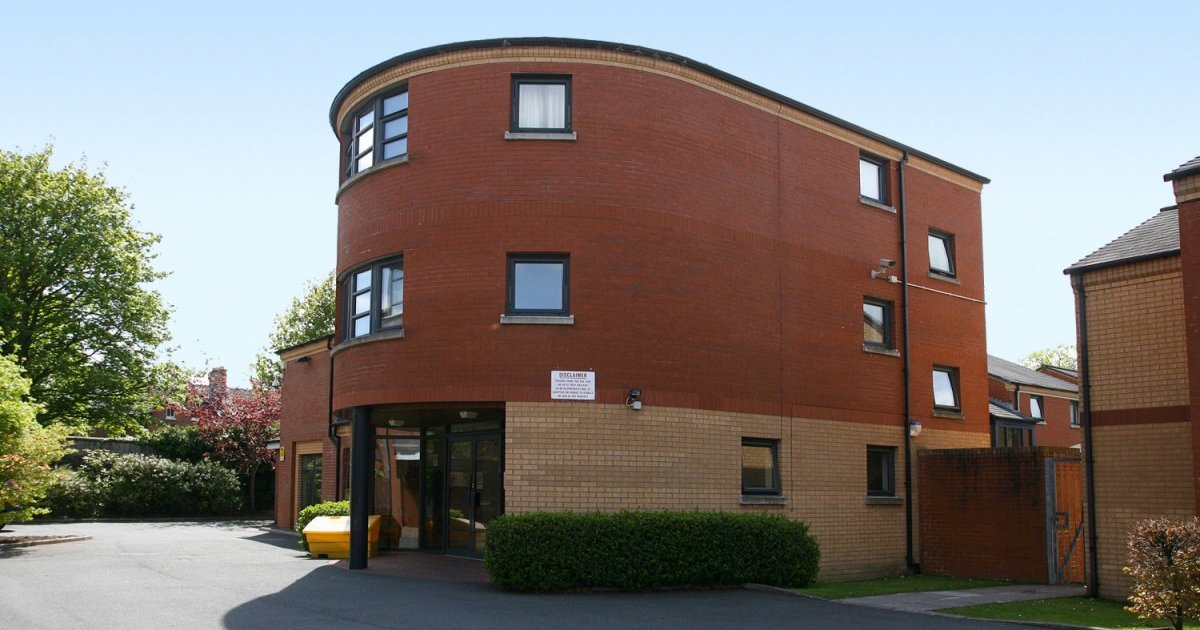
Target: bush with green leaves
x=1164 y=563
x=635 y=551
x=328 y=508
x=178 y=443
x=144 y=485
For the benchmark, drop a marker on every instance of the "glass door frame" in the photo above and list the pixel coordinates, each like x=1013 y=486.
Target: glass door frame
x=446 y=438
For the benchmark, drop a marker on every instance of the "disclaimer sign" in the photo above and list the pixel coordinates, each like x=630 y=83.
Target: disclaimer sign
x=572 y=385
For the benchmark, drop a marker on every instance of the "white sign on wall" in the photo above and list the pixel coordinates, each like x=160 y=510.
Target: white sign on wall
x=572 y=385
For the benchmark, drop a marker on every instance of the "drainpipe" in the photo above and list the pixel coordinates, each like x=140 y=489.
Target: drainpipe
x=1017 y=396
x=333 y=436
x=912 y=563
x=1085 y=393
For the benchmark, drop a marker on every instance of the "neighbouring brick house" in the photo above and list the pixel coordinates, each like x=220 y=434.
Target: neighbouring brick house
x=176 y=416
x=1033 y=407
x=1138 y=307
x=578 y=275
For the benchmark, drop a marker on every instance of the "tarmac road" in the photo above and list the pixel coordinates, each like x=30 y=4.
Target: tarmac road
x=234 y=575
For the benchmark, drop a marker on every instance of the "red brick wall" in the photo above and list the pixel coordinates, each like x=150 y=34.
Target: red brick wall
x=983 y=513
x=719 y=255
x=1058 y=430
x=304 y=417
x=1189 y=242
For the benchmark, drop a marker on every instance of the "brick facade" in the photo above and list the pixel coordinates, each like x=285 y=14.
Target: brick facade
x=304 y=422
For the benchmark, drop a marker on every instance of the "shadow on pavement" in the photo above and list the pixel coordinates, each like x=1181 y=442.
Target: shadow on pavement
x=283 y=541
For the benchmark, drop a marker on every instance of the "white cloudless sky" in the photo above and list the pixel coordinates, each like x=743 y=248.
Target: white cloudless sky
x=213 y=116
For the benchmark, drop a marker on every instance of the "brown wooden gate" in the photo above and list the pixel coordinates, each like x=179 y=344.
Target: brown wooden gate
x=1064 y=519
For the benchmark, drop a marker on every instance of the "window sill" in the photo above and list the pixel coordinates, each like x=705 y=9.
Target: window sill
x=948 y=413
x=944 y=278
x=391 y=333
x=568 y=136
x=884 y=500
x=560 y=320
x=763 y=499
x=878 y=205
x=891 y=352
x=381 y=166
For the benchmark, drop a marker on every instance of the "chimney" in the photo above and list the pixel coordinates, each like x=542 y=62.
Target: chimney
x=217 y=382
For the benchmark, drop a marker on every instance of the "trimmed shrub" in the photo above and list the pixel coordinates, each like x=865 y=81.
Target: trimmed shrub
x=328 y=508
x=635 y=551
x=108 y=484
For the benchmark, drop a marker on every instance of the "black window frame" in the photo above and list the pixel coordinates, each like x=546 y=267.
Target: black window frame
x=888 y=453
x=776 y=487
x=1074 y=419
x=1041 y=406
x=954 y=388
x=947 y=240
x=539 y=79
x=1003 y=429
x=543 y=258
x=353 y=152
x=375 y=309
x=889 y=314
x=882 y=165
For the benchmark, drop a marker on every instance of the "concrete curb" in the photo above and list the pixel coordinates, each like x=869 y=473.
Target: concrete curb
x=48 y=541
x=933 y=613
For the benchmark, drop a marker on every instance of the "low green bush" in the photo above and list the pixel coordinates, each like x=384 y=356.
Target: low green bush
x=178 y=443
x=635 y=551
x=328 y=508
x=108 y=484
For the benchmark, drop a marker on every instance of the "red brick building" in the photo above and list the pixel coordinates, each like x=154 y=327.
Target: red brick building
x=1137 y=301
x=1047 y=406
x=577 y=275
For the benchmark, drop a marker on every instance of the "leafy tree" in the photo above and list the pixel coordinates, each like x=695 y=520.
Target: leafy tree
x=1164 y=562
x=1063 y=356
x=236 y=427
x=309 y=317
x=176 y=443
x=73 y=299
x=26 y=448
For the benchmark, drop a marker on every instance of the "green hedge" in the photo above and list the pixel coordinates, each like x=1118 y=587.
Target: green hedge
x=108 y=484
x=328 y=508
x=644 y=550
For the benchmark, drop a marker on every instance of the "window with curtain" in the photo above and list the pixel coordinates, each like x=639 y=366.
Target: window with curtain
x=541 y=104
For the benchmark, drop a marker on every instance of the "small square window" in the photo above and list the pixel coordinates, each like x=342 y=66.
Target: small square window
x=881 y=471
x=541 y=104
x=1036 y=407
x=872 y=178
x=941 y=254
x=945 y=388
x=877 y=323
x=169 y=414
x=1075 y=413
x=538 y=284
x=760 y=466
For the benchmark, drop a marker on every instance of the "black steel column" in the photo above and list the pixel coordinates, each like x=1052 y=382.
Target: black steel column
x=361 y=461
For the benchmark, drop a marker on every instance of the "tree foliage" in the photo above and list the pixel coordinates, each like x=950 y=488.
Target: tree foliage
x=236 y=427
x=26 y=448
x=1063 y=356
x=309 y=317
x=1164 y=562
x=78 y=316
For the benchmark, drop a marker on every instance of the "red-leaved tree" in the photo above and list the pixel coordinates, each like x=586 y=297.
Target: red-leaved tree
x=235 y=426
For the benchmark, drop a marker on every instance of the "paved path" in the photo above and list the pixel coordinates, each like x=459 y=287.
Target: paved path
x=937 y=600
x=229 y=575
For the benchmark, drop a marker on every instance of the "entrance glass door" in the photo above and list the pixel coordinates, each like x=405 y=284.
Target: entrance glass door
x=474 y=494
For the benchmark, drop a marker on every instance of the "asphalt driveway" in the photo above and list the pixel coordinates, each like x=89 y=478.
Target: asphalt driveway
x=234 y=575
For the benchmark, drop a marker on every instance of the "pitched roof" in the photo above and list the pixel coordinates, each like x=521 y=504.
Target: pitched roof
x=1073 y=373
x=1016 y=373
x=997 y=409
x=1156 y=237
x=1190 y=167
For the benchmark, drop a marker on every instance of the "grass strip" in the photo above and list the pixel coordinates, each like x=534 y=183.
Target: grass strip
x=1079 y=611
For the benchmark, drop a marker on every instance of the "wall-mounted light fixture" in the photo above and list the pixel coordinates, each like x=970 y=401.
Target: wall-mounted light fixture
x=883 y=272
x=633 y=400
x=914 y=428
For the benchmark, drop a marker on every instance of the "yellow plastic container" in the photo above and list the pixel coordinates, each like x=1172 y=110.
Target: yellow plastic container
x=329 y=536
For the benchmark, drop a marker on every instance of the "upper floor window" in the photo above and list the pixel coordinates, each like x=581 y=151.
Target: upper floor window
x=1074 y=413
x=379 y=132
x=1035 y=407
x=872 y=178
x=169 y=414
x=945 y=388
x=877 y=323
x=760 y=466
x=538 y=284
x=541 y=104
x=375 y=298
x=941 y=253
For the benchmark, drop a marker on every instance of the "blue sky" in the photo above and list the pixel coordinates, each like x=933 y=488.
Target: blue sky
x=213 y=116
